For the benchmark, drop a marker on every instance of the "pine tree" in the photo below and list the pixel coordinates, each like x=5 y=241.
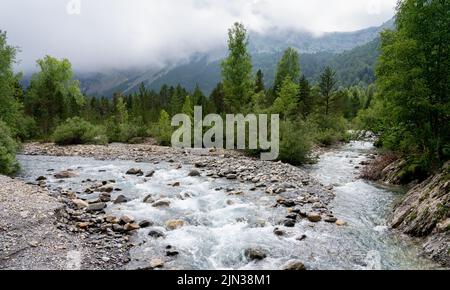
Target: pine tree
x=328 y=88
x=288 y=66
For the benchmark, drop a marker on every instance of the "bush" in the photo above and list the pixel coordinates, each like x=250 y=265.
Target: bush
x=79 y=131
x=162 y=131
x=126 y=132
x=295 y=142
x=8 y=148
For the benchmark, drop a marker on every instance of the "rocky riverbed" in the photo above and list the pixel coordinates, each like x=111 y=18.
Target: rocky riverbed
x=149 y=207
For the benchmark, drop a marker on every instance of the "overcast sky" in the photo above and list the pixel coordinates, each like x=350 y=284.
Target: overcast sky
x=97 y=34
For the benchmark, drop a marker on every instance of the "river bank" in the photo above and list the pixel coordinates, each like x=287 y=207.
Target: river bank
x=175 y=209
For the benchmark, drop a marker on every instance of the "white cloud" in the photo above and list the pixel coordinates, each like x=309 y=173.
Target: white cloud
x=118 y=33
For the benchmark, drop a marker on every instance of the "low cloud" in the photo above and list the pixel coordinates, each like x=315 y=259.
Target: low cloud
x=99 y=34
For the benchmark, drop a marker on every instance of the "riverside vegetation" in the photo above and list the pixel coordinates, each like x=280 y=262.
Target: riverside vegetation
x=408 y=107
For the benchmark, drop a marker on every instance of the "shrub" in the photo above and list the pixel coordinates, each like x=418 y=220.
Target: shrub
x=162 y=131
x=79 y=131
x=8 y=147
x=295 y=142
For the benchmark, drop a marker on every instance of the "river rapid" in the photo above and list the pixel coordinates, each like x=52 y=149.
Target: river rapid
x=219 y=226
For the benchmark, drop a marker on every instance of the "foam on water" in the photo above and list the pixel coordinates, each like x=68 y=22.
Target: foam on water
x=219 y=226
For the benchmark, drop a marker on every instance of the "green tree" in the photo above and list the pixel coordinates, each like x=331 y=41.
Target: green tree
x=237 y=71
x=413 y=81
x=218 y=98
x=188 y=108
x=10 y=106
x=53 y=95
x=305 y=97
x=286 y=103
x=328 y=89
x=288 y=66
x=259 y=82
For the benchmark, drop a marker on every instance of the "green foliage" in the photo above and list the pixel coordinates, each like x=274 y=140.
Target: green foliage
x=295 y=142
x=53 y=95
x=328 y=89
x=286 y=103
x=413 y=82
x=78 y=131
x=163 y=130
x=288 y=67
x=237 y=71
x=8 y=147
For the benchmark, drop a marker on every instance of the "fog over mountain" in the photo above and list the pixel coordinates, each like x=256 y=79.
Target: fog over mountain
x=114 y=34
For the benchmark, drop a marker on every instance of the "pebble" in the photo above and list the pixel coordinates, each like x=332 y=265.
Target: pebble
x=314 y=217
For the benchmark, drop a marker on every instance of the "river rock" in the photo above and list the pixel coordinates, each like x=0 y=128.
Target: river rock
x=126 y=219
x=145 y=224
x=120 y=199
x=231 y=176
x=255 y=254
x=135 y=171
x=131 y=227
x=161 y=203
x=41 y=178
x=83 y=225
x=341 y=223
x=156 y=234
x=64 y=174
x=174 y=224
x=314 y=217
x=294 y=265
x=156 y=263
x=279 y=232
x=148 y=199
x=171 y=253
x=106 y=188
x=200 y=164
x=301 y=237
x=289 y=223
x=80 y=203
x=330 y=219
x=150 y=173
x=105 y=197
x=99 y=206
x=193 y=173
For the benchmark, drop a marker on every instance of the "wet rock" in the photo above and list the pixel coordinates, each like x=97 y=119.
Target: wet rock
x=156 y=263
x=292 y=216
x=175 y=184
x=135 y=171
x=41 y=178
x=294 y=265
x=172 y=253
x=105 y=197
x=131 y=227
x=117 y=228
x=193 y=173
x=289 y=223
x=83 y=225
x=99 y=206
x=174 y=224
x=156 y=234
x=253 y=254
x=150 y=173
x=120 y=199
x=314 y=217
x=279 y=232
x=80 y=204
x=285 y=202
x=145 y=224
x=126 y=219
x=231 y=176
x=148 y=199
x=301 y=237
x=341 y=223
x=64 y=174
x=106 y=188
x=161 y=203
x=200 y=164
x=330 y=219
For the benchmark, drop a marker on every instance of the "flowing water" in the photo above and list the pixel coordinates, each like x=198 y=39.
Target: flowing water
x=219 y=227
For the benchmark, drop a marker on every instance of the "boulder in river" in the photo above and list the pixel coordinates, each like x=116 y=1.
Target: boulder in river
x=161 y=203
x=145 y=224
x=135 y=171
x=148 y=199
x=41 y=178
x=314 y=217
x=289 y=223
x=106 y=188
x=131 y=227
x=120 y=199
x=126 y=219
x=150 y=173
x=294 y=265
x=156 y=234
x=99 y=206
x=156 y=263
x=341 y=223
x=64 y=174
x=193 y=173
x=174 y=224
x=80 y=203
x=253 y=254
